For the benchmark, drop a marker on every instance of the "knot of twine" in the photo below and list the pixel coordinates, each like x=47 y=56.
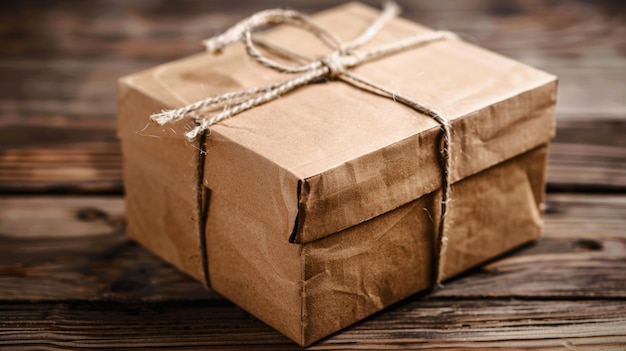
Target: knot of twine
x=334 y=66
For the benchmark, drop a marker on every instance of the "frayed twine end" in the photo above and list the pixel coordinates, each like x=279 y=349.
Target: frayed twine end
x=166 y=116
x=169 y=116
x=193 y=134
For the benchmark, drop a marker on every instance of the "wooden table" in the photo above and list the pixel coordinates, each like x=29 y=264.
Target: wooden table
x=71 y=279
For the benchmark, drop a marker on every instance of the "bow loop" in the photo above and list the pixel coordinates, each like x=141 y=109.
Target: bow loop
x=265 y=18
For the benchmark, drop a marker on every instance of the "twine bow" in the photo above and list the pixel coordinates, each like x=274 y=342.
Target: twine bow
x=334 y=66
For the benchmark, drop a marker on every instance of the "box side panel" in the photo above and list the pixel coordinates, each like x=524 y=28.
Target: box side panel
x=160 y=186
x=363 y=269
x=252 y=264
x=495 y=211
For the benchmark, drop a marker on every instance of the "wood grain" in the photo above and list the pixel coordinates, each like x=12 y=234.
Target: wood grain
x=413 y=325
x=94 y=290
x=69 y=169
x=589 y=155
x=71 y=279
x=64 y=217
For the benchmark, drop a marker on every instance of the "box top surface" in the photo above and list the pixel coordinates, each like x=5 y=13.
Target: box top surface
x=330 y=155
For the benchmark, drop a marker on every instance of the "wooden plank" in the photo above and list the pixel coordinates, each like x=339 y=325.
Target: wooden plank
x=60 y=217
x=581 y=255
x=413 y=325
x=59 y=248
x=588 y=154
x=95 y=268
x=60 y=155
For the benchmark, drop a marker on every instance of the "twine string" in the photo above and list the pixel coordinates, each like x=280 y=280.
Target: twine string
x=334 y=66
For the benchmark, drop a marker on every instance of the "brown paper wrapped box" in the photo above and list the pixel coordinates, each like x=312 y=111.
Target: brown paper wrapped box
x=319 y=208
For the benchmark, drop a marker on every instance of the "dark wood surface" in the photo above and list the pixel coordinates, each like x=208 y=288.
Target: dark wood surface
x=71 y=279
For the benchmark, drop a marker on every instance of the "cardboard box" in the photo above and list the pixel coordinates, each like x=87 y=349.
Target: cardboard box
x=319 y=209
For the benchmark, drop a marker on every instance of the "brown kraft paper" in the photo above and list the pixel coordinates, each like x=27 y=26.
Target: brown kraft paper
x=351 y=177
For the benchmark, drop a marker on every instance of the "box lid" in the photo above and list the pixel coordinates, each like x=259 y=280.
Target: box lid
x=329 y=156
